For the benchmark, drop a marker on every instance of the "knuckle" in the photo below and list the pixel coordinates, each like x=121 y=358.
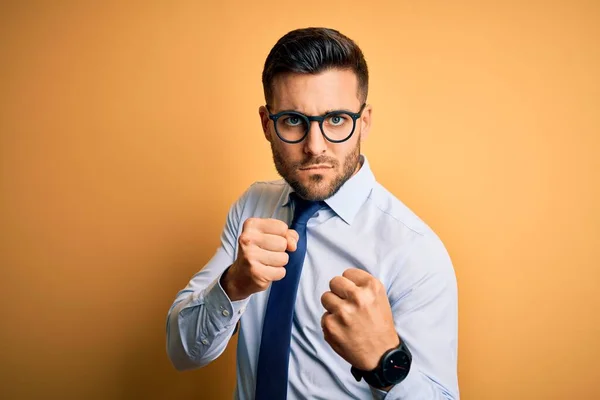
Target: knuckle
x=352 y=292
x=254 y=268
x=261 y=281
x=349 y=286
x=377 y=287
x=345 y=316
x=282 y=243
x=262 y=286
x=293 y=233
x=336 y=309
x=282 y=226
x=370 y=279
x=281 y=273
x=369 y=298
x=249 y=223
x=250 y=254
x=334 y=281
x=278 y=259
x=277 y=225
x=360 y=300
x=245 y=239
x=348 y=273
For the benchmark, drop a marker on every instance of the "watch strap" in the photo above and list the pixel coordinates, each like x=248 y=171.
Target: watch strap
x=375 y=377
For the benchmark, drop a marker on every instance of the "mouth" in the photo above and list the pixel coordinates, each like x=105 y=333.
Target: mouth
x=319 y=167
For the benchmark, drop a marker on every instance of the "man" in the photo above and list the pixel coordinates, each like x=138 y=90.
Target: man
x=340 y=290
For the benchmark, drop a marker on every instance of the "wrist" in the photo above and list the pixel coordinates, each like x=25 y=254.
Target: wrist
x=229 y=287
x=392 y=368
x=375 y=357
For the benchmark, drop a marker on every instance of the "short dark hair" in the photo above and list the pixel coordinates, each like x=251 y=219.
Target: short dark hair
x=311 y=51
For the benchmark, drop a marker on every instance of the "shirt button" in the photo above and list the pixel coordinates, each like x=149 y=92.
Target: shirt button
x=204 y=342
x=225 y=313
x=242 y=310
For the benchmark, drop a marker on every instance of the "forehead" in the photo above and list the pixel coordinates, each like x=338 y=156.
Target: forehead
x=314 y=94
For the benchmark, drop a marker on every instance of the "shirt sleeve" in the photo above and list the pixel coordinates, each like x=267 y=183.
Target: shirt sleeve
x=425 y=307
x=202 y=318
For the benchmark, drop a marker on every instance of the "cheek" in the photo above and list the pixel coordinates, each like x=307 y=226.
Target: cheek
x=287 y=154
x=341 y=152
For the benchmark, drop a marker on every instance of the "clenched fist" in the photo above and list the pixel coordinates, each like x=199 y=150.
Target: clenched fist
x=358 y=323
x=261 y=257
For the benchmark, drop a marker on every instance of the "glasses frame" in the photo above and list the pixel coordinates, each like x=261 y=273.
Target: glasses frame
x=308 y=119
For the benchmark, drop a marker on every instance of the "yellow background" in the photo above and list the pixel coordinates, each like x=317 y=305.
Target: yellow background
x=126 y=131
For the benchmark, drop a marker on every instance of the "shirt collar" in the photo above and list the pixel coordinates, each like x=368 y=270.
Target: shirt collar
x=353 y=193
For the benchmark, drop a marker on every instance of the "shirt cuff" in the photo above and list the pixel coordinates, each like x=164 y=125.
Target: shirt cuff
x=225 y=312
x=409 y=385
x=378 y=394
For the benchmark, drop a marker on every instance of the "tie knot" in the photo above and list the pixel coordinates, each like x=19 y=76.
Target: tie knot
x=304 y=209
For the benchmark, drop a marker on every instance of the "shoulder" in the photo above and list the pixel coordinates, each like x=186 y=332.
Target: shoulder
x=418 y=263
x=268 y=188
x=261 y=191
x=414 y=240
x=393 y=211
x=262 y=197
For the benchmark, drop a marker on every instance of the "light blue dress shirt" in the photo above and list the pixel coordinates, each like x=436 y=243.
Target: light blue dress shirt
x=364 y=227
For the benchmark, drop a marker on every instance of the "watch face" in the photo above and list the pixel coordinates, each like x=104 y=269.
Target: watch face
x=396 y=366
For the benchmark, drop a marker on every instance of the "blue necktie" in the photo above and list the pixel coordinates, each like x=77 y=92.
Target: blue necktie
x=274 y=355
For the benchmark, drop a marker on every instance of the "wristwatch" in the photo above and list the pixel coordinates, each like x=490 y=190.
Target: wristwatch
x=393 y=368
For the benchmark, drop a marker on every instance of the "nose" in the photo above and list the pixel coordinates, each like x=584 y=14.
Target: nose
x=315 y=143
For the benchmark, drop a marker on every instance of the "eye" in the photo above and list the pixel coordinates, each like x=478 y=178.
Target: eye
x=292 y=120
x=337 y=120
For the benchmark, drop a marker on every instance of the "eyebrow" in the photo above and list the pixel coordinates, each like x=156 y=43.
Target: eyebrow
x=326 y=111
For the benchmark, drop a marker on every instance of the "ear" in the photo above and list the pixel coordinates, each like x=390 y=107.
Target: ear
x=366 y=120
x=264 y=121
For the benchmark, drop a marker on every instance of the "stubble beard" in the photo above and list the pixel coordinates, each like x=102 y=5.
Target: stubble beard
x=288 y=171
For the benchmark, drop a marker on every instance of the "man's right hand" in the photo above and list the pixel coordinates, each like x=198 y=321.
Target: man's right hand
x=261 y=257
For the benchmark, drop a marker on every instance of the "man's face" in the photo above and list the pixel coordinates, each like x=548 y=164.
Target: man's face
x=316 y=168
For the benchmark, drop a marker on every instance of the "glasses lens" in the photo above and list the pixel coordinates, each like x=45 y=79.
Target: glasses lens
x=291 y=127
x=338 y=126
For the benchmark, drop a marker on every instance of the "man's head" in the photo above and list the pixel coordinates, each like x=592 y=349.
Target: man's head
x=315 y=71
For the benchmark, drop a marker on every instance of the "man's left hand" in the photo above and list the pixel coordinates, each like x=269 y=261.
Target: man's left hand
x=358 y=323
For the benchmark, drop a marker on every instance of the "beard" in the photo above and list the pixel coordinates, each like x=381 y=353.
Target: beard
x=312 y=190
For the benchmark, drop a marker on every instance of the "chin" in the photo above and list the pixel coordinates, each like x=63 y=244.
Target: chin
x=315 y=188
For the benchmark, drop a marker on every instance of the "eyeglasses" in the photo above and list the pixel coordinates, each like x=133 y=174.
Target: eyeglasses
x=337 y=126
